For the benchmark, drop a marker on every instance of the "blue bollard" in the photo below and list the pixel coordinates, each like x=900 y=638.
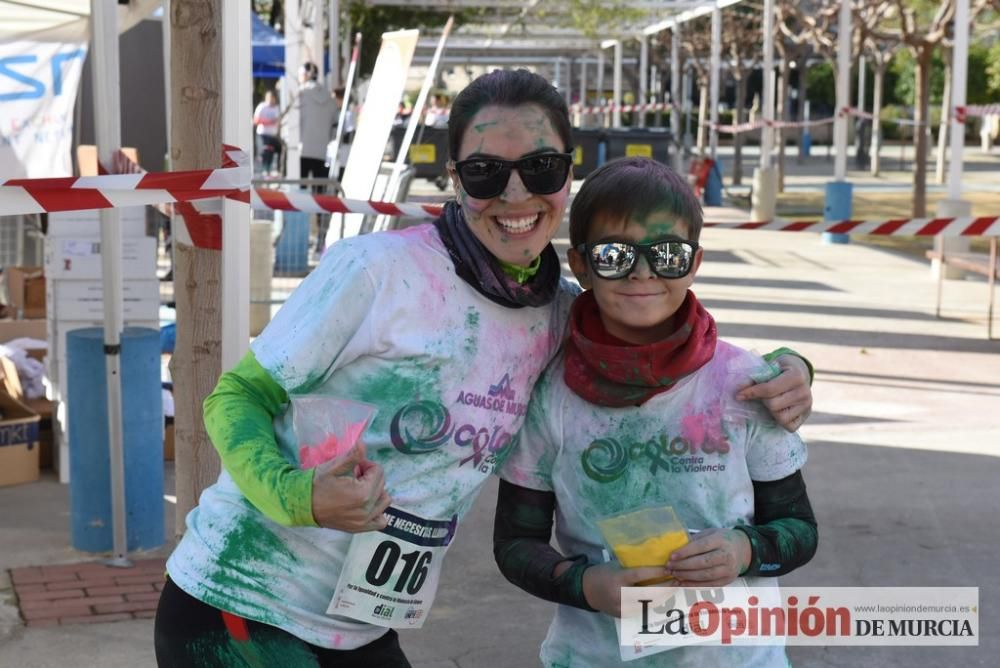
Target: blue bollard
x=713 y=186
x=602 y=152
x=807 y=142
x=291 y=252
x=91 y=523
x=837 y=206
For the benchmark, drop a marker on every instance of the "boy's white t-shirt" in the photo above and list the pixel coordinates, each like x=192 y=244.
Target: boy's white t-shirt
x=693 y=447
x=385 y=320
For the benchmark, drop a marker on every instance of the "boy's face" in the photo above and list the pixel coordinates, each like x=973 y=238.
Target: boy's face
x=639 y=308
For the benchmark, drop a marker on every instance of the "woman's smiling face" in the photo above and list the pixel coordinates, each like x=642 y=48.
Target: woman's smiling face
x=517 y=224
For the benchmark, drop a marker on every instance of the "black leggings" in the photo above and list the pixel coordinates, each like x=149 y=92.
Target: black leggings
x=191 y=634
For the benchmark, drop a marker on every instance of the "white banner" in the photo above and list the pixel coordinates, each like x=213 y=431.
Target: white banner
x=662 y=618
x=385 y=90
x=38 y=86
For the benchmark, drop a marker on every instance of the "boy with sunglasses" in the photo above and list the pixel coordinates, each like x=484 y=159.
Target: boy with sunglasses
x=637 y=411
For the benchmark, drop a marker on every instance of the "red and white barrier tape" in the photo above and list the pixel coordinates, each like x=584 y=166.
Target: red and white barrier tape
x=987 y=226
x=264 y=199
x=982 y=109
x=74 y=193
x=23 y=196
x=651 y=106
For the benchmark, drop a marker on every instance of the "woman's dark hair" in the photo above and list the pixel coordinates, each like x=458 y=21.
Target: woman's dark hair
x=507 y=88
x=632 y=188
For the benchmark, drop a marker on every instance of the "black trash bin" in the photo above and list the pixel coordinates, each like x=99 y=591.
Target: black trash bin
x=587 y=151
x=643 y=142
x=430 y=155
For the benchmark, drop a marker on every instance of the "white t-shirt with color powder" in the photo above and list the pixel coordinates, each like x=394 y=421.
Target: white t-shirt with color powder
x=384 y=319
x=693 y=447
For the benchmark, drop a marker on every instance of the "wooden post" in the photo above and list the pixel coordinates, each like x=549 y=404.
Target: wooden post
x=196 y=143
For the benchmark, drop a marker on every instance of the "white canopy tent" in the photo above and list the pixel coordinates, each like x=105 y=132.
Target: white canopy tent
x=62 y=20
x=70 y=21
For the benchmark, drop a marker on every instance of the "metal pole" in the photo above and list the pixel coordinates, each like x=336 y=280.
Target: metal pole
x=714 y=82
x=404 y=146
x=616 y=116
x=767 y=103
x=291 y=127
x=600 y=75
x=643 y=79
x=862 y=70
x=959 y=73
x=334 y=37
x=107 y=131
x=582 y=118
x=345 y=103
x=675 y=94
x=236 y=109
x=843 y=93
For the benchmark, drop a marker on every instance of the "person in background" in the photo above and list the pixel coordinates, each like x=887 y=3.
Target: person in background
x=318 y=111
x=436 y=115
x=266 y=119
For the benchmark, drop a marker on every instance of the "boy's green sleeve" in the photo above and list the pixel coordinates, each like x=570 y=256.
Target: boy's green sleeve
x=775 y=354
x=239 y=418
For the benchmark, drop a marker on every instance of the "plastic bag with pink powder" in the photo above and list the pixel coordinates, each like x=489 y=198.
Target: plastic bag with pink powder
x=328 y=428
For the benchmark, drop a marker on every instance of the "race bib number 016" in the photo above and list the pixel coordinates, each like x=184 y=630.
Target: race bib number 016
x=391 y=576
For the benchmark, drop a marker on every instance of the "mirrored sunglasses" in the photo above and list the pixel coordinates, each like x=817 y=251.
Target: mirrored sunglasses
x=670 y=258
x=542 y=174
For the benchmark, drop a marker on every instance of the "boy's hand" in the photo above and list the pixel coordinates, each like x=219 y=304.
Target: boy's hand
x=788 y=396
x=602 y=584
x=713 y=558
x=349 y=494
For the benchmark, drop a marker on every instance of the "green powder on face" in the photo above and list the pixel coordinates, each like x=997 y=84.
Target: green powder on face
x=481 y=127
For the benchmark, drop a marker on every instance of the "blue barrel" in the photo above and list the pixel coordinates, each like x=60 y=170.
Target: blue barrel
x=837 y=206
x=291 y=250
x=713 y=186
x=142 y=435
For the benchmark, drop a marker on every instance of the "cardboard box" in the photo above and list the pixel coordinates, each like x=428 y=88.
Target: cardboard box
x=84 y=300
x=81 y=258
x=25 y=329
x=87 y=224
x=25 y=291
x=19 y=449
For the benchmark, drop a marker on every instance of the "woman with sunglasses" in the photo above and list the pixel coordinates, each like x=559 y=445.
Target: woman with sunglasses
x=444 y=328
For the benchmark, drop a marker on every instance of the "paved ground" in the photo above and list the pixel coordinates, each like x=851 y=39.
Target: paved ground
x=904 y=446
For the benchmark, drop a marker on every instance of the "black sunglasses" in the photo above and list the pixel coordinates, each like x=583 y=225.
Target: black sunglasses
x=542 y=174
x=668 y=258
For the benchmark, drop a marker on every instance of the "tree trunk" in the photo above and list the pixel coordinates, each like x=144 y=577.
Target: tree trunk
x=702 y=116
x=800 y=68
x=196 y=143
x=741 y=96
x=782 y=114
x=880 y=65
x=922 y=99
x=945 y=124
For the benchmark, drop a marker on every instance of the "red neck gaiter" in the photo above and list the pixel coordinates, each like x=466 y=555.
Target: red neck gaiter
x=607 y=371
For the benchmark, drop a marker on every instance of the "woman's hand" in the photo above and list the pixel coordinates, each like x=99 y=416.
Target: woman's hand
x=713 y=558
x=349 y=494
x=602 y=584
x=788 y=396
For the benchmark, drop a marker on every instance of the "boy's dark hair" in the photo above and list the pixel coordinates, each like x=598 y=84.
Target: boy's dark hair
x=630 y=188
x=507 y=88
